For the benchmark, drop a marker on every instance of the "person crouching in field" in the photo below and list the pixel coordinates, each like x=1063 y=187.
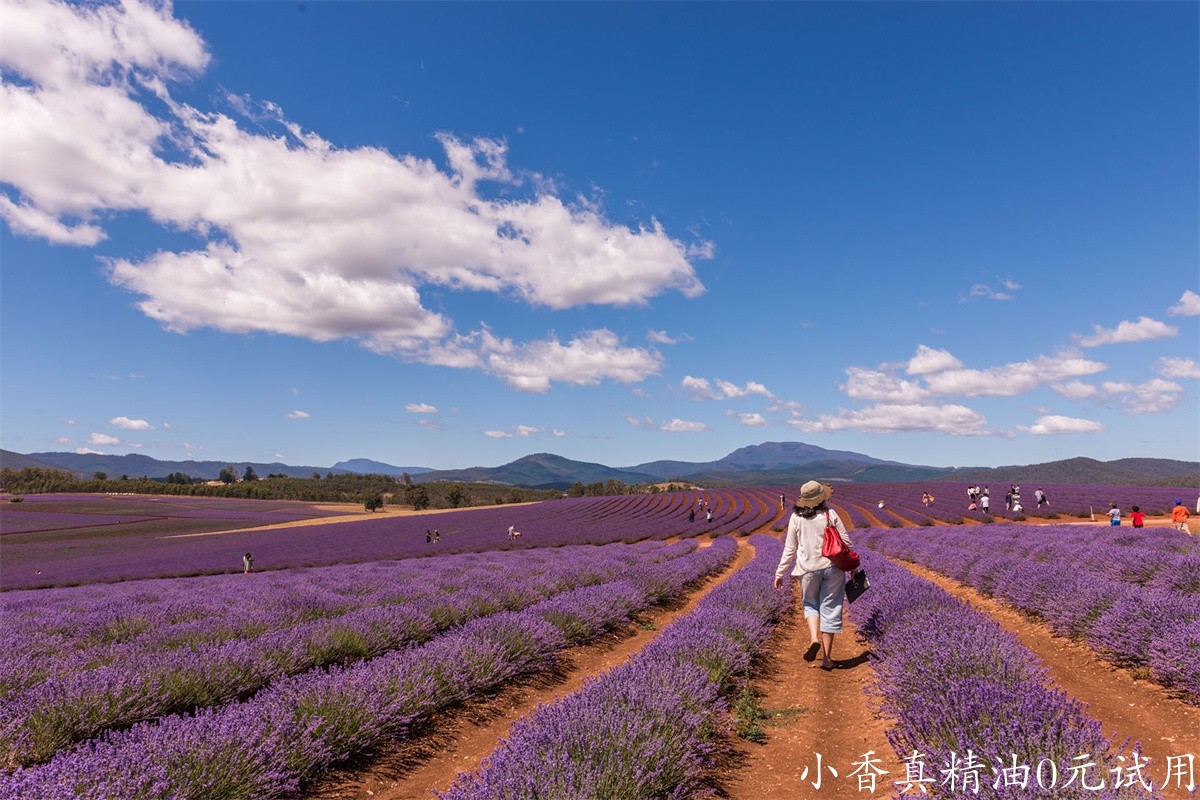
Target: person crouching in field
x=1179 y=516
x=822 y=585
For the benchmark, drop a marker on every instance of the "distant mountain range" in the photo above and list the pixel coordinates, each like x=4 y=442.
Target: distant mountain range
x=766 y=464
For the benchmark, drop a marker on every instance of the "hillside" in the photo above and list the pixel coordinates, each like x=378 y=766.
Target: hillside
x=1142 y=471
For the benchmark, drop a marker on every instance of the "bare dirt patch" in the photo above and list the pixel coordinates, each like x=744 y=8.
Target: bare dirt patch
x=810 y=711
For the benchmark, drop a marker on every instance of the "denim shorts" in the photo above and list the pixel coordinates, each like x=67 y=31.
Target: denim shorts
x=823 y=592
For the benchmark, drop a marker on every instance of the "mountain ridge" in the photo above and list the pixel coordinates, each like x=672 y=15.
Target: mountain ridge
x=768 y=463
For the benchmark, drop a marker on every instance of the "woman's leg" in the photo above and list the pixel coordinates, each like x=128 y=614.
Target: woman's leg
x=833 y=594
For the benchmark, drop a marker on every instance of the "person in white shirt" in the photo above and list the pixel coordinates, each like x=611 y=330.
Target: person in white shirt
x=822 y=585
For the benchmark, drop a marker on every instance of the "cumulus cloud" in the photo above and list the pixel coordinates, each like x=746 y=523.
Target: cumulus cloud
x=670 y=426
x=131 y=424
x=682 y=426
x=497 y=434
x=1188 y=305
x=103 y=439
x=940 y=373
x=299 y=236
x=1144 y=330
x=1053 y=425
x=1155 y=396
x=516 y=430
x=662 y=337
x=87 y=451
x=752 y=420
x=717 y=389
x=298 y=414
x=585 y=360
x=420 y=408
x=1075 y=390
x=1183 y=368
x=953 y=419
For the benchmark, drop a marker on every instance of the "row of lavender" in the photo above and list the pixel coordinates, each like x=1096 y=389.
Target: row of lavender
x=42 y=562
x=646 y=728
x=970 y=710
x=177 y=649
x=1134 y=597
x=284 y=736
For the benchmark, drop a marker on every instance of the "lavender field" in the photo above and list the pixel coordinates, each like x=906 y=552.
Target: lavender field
x=148 y=666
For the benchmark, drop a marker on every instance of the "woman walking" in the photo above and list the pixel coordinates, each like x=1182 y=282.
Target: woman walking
x=822 y=585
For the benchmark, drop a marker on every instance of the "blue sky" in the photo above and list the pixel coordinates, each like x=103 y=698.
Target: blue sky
x=452 y=234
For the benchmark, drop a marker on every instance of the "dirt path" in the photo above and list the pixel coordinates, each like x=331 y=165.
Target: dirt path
x=1124 y=705
x=459 y=740
x=811 y=711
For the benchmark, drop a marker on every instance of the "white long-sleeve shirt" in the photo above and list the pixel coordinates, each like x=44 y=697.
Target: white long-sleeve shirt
x=804 y=540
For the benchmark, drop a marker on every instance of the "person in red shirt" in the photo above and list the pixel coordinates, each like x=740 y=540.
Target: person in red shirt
x=1139 y=519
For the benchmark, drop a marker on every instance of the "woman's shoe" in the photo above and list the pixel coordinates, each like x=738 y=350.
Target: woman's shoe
x=811 y=653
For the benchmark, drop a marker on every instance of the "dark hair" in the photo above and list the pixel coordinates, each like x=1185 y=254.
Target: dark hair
x=809 y=513
x=1135 y=508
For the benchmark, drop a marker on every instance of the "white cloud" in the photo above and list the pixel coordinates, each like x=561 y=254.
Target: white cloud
x=526 y=430
x=894 y=417
x=497 y=434
x=87 y=451
x=703 y=389
x=420 y=408
x=431 y=424
x=637 y=422
x=662 y=337
x=1144 y=330
x=1054 y=424
x=298 y=414
x=300 y=237
x=1188 y=305
x=585 y=360
x=942 y=374
x=62 y=440
x=1183 y=368
x=682 y=426
x=752 y=420
x=131 y=424
x=928 y=360
x=1075 y=390
x=987 y=292
x=878 y=386
x=1155 y=396
x=103 y=439
x=557 y=434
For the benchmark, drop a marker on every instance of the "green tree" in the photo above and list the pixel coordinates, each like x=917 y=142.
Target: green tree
x=406 y=479
x=227 y=475
x=373 y=503
x=250 y=474
x=457 y=496
x=576 y=490
x=100 y=476
x=416 y=496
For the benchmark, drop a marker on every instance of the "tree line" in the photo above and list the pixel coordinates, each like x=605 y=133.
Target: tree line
x=330 y=488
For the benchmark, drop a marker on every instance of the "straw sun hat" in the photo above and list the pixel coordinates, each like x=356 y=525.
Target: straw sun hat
x=812 y=494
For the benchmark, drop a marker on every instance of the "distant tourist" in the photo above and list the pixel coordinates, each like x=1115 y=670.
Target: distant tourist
x=1179 y=515
x=709 y=512
x=437 y=535
x=926 y=498
x=781 y=502
x=1114 y=516
x=692 y=515
x=1139 y=519
x=1041 y=498
x=512 y=531
x=428 y=536
x=247 y=564
x=985 y=502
